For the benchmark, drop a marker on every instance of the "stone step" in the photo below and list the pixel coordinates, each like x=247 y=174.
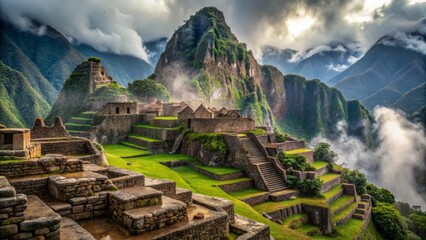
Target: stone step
x=146 y=219
x=128 y=144
x=72 y=230
x=133 y=197
x=167 y=187
x=283 y=195
x=40 y=221
x=184 y=195
x=359 y=216
x=165 y=123
x=345 y=214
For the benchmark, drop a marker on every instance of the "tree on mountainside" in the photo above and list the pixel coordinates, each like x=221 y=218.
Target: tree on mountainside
x=322 y=152
x=147 y=89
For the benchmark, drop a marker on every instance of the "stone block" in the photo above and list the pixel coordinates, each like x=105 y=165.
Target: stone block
x=22 y=235
x=7 y=231
x=7 y=191
x=42 y=231
x=78 y=209
x=78 y=200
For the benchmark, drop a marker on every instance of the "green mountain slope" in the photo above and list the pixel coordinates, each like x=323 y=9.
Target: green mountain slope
x=412 y=100
x=204 y=60
x=43 y=58
x=19 y=101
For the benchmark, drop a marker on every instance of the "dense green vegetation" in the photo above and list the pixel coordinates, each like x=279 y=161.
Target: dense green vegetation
x=322 y=152
x=295 y=162
x=379 y=194
x=355 y=177
x=307 y=187
x=389 y=221
x=148 y=89
x=109 y=92
x=213 y=142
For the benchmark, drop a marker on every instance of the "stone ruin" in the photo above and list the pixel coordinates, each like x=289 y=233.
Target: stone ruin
x=210 y=120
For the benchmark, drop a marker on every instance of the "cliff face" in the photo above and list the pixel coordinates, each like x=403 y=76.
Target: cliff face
x=204 y=60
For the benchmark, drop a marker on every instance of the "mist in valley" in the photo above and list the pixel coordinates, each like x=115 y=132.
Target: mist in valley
x=400 y=148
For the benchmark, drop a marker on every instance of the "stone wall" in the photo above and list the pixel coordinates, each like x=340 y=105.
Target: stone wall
x=215 y=204
x=40 y=130
x=284 y=213
x=114 y=128
x=167 y=187
x=237 y=186
x=32 y=151
x=120 y=108
x=123 y=178
x=319 y=216
x=290 y=145
x=48 y=164
x=328 y=185
x=34 y=186
x=82 y=207
x=226 y=125
x=74 y=146
x=249 y=229
x=84 y=184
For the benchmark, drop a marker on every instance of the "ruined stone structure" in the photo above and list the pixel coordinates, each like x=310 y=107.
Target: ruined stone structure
x=40 y=130
x=98 y=75
x=161 y=109
x=15 y=143
x=211 y=120
x=120 y=108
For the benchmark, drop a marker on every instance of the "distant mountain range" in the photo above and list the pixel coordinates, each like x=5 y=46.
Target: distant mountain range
x=392 y=72
x=321 y=62
x=36 y=62
x=387 y=75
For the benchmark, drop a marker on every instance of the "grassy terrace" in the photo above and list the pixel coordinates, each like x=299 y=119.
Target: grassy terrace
x=165 y=118
x=341 y=201
x=332 y=192
x=299 y=151
x=133 y=145
x=215 y=170
x=319 y=164
x=187 y=177
x=328 y=177
x=116 y=149
x=246 y=193
x=345 y=231
x=342 y=214
x=81 y=118
x=156 y=127
x=294 y=218
x=273 y=206
x=147 y=139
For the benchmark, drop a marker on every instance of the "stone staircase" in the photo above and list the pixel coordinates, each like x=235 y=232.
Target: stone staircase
x=363 y=210
x=157 y=136
x=81 y=124
x=273 y=180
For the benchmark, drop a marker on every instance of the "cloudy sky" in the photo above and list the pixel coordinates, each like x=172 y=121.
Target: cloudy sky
x=120 y=26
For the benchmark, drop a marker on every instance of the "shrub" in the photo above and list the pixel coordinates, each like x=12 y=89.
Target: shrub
x=389 y=221
x=282 y=137
x=94 y=59
x=418 y=223
x=379 y=194
x=355 y=177
x=307 y=187
x=213 y=142
x=146 y=89
x=322 y=152
x=297 y=162
x=257 y=131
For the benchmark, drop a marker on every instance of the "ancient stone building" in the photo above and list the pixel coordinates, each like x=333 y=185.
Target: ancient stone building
x=98 y=75
x=203 y=112
x=14 y=138
x=120 y=108
x=40 y=130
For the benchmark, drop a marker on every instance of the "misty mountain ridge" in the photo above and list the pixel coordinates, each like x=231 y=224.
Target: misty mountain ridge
x=321 y=62
x=394 y=66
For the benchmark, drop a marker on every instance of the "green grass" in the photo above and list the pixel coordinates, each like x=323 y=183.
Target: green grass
x=342 y=214
x=166 y=118
x=341 y=201
x=333 y=192
x=216 y=170
x=232 y=236
x=273 y=206
x=345 y=231
x=308 y=229
x=77 y=124
x=124 y=151
x=157 y=127
x=88 y=113
x=328 y=177
x=10 y=161
x=190 y=179
x=337 y=167
x=298 y=151
x=246 y=193
x=127 y=144
x=371 y=233
x=75 y=131
x=293 y=218
x=82 y=118
x=319 y=164
x=146 y=139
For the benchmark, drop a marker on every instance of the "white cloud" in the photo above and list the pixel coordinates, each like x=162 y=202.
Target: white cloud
x=401 y=148
x=413 y=42
x=337 y=67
